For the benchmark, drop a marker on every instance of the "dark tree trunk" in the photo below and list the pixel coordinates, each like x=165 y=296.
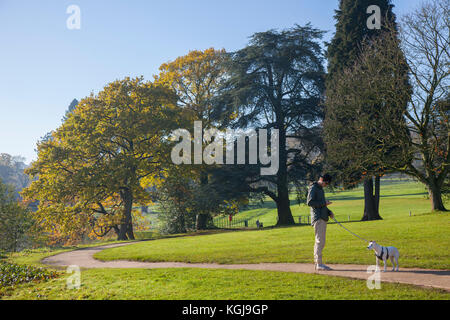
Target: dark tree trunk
x=371 y=201
x=122 y=232
x=126 y=228
x=130 y=233
x=201 y=221
x=283 y=207
x=283 y=202
x=436 y=198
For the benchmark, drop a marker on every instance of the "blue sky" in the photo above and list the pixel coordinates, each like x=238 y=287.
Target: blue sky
x=44 y=65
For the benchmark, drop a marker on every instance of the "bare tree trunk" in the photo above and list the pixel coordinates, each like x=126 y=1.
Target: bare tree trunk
x=200 y=223
x=283 y=207
x=371 y=203
x=126 y=228
x=283 y=202
x=436 y=198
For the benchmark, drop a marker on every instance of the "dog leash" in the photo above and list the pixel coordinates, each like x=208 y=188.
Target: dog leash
x=349 y=230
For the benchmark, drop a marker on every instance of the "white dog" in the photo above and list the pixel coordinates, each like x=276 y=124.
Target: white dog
x=384 y=253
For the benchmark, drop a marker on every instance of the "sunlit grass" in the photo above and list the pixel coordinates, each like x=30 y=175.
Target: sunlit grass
x=198 y=284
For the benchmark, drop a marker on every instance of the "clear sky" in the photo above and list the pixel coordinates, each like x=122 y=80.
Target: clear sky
x=44 y=65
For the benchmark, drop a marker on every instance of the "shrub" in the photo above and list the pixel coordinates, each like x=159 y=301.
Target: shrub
x=13 y=274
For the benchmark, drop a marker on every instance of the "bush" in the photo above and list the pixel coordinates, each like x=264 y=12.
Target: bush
x=13 y=274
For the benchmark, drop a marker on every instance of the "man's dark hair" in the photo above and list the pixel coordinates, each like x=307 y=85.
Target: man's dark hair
x=326 y=177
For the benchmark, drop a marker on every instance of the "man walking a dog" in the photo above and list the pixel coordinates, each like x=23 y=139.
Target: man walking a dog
x=319 y=217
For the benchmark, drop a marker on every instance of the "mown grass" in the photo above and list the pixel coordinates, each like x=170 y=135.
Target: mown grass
x=398 y=197
x=422 y=238
x=423 y=242
x=198 y=284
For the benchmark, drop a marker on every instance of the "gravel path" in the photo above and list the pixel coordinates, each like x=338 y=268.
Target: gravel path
x=421 y=277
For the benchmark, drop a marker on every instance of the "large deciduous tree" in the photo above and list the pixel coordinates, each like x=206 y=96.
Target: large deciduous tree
x=276 y=82
x=196 y=79
x=425 y=41
x=99 y=161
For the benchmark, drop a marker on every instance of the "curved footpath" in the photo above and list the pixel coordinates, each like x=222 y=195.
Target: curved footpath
x=84 y=258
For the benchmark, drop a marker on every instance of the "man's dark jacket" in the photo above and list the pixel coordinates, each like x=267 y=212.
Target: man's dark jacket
x=316 y=200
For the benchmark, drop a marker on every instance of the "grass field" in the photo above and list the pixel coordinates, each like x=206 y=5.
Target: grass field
x=423 y=240
x=198 y=284
x=398 y=197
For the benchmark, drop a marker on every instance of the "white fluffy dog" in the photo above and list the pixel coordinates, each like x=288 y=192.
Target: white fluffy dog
x=384 y=253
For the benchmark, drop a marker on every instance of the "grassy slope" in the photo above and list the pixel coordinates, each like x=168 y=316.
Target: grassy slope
x=422 y=239
x=397 y=197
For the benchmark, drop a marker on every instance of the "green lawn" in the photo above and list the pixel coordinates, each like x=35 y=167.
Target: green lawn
x=398 y=197
x=197 y=284
x=422 y=239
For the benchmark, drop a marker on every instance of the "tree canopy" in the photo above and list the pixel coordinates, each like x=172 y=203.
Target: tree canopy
x=277 y=82
x=101 y=159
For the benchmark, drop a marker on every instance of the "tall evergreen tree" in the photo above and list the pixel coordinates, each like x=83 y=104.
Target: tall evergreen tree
x=354 y=26
x=277 y=82
x=70 y=109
